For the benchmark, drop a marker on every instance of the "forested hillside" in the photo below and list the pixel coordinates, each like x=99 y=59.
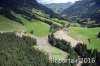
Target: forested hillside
x=23 y=7
x=84 y=9
x=19 y=51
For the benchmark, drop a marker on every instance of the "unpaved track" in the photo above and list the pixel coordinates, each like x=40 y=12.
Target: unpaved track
x=43 y=45
x=42 y=42
x=62 y=34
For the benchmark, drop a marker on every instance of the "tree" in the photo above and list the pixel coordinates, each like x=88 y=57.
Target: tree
x=68 y=25
x=32 y=32
x=51 y=39
x=98 y=35
x=89 y=40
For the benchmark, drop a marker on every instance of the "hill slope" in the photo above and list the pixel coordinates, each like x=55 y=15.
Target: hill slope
x=23 y=7
x=84 y=9
x=9 y=25
x=15 y=13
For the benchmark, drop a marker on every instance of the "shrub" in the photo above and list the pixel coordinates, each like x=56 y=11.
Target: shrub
x=98 y=35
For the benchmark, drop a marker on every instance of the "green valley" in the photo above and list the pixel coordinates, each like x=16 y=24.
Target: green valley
x=57 y=34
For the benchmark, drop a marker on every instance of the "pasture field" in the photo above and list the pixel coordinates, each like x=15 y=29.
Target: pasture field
x=38 y=28
x=83 y=34
x=9 y=25
x=59 y=54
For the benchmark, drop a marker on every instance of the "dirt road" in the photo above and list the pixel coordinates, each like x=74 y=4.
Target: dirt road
x=42 y=42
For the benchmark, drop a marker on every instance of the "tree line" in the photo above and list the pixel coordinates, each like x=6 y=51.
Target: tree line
x=79 y=50
x=83 y=52
x=59 y=43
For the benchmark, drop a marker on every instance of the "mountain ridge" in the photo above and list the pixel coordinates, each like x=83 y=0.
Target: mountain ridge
x=58 y=7
x=87 y=9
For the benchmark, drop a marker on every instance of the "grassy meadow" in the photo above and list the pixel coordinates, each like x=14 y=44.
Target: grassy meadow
x=38 y=28
x=55 y=53
x=59 y=54
x=83 y=34
x=9 y=25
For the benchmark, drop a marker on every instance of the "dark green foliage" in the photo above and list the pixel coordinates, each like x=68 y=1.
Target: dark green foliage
x=29 y=40
x=73 y=55
x=51 y=39
x=7 y=13
x=83 y=52
x=32 y=32
x=84 y=9
x=89 y=40
x=45 y=21
x=26 y=17
x=80 y=48
x=59 y=43
x=25 y=7
x=68 y=25
x=54 y=28
x=11 y=37
x=64 y=45
x=98 y=35
x=89 y=23
x=96 y=16
x=19 y=51
x=14 y=5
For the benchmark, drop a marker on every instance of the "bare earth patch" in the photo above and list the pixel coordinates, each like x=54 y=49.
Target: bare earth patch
x=62 y=34
x=43 y=45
